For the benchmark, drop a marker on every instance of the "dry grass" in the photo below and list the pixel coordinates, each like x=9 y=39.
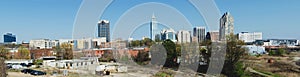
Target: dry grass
x=283 y=66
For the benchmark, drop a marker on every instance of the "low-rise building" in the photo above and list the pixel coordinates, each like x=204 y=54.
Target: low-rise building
x=281 y=42
x=249 y=37
x=43 y=44
x=255 y=50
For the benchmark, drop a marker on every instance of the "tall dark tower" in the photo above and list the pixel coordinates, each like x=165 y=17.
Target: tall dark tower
x=104 y=30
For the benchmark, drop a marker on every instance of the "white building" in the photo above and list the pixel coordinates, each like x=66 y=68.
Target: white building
x=255 y=50
x=168 y=34
x=199 y=33
x=84 y=44
x=282 y=42
x=250 y=37
x=98 y=41
x=183 y=36
x=153 y=27
x=42 y=44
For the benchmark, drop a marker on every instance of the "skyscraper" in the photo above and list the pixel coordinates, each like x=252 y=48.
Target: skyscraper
x=199 y=33
x=104 y=30
x=184 y=36
x=226 y=26
x=153 y=27
x=9 y=38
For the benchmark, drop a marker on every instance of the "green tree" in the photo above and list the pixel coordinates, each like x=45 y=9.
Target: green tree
x=135 y=43
x=178 y=49
x=206 y=53
x=146 y=42
x=281 y=51
x=23 y=53
x=272 y=53
x=234 y=52
x=172 y=55
x=4 y=52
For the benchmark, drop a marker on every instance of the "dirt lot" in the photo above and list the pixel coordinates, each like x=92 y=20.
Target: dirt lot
x=281 y=65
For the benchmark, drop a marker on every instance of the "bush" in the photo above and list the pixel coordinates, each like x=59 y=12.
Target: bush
x=272 y=53
x=239 y=69
x=38 y=62
x=280 y=52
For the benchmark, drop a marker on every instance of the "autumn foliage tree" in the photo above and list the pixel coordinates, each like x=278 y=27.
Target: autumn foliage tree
x=67 y=51
x=23 y=53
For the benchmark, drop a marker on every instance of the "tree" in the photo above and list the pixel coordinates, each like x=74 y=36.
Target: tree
x=234 y=52
x=135 y=43
x=59 y=53
x=281 y=51
x=67 y=51
x=170 y=46
x=23 y=53
x=107 y=56
x=206 y=53
x=4 y=52
x=178 y=49
x=2 y=68
x=142 y=57
x=147 y=42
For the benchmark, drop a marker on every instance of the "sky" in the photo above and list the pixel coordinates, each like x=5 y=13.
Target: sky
x=54 y=19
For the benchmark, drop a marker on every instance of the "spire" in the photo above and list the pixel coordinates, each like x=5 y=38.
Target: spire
x=153 y=16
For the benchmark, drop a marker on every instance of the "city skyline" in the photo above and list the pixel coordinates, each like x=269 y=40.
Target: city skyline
x=54 y=19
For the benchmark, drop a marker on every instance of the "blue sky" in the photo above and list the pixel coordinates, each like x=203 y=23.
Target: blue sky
x=53 y=19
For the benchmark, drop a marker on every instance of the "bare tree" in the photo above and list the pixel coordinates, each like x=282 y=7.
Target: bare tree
x=3 y=52
x=2 y=68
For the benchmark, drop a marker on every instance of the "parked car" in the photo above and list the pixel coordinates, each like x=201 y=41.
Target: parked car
x=8 y=66
x=26 y=65
x=35 y=73
x=17 y=66
x=27 y=71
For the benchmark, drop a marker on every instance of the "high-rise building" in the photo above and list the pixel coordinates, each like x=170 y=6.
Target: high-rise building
x=250 y=37
x=226 y=26
x=168 y=34
x=153 y=27
x=183 y=36
x=104 y=30
x=9 y=38
x=199 y=33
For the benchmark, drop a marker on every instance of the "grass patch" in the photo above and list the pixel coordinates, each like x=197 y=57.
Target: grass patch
x=162 y=74
x=269 y=73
